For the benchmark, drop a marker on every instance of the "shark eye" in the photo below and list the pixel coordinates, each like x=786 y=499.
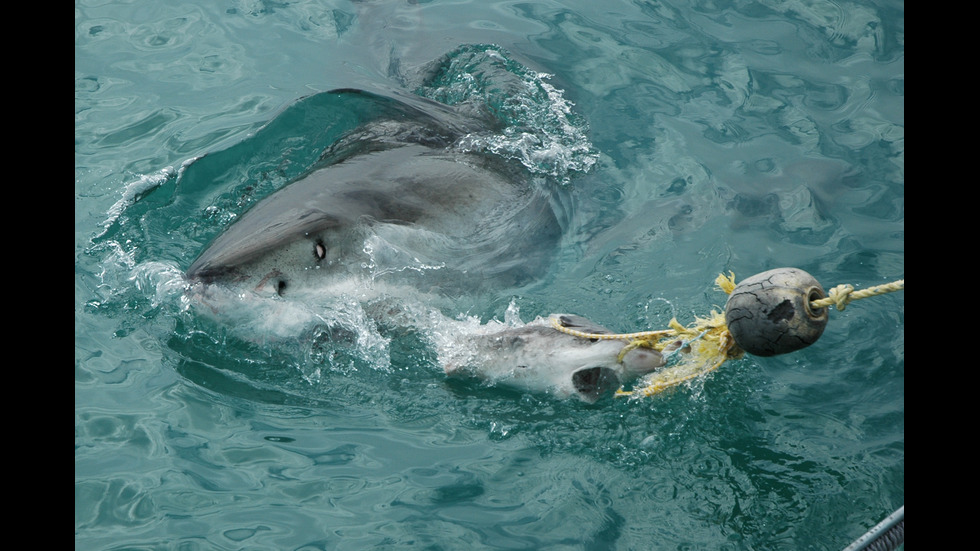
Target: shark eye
x=319 y=251
x=280 y=287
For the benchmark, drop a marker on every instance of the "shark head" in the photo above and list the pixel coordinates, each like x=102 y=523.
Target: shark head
x=270 y=252
x=408 y=214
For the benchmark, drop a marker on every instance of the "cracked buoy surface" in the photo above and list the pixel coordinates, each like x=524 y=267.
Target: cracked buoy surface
x=769 y=313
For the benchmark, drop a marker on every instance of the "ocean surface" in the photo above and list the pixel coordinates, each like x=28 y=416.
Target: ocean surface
x=679 y=140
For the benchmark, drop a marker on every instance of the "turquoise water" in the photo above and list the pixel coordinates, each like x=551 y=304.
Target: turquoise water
x=699 y=138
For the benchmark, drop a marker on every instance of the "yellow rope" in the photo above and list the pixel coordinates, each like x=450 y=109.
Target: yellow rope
x=707 y=343
x=841 y=295
x=556 y=323
x=673 y=376
x=725 y=283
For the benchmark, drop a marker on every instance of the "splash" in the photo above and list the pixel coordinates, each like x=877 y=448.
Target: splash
x=132 y=192
x=534 y=122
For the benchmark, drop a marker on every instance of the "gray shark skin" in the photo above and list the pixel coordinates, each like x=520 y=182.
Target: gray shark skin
x=398 y=208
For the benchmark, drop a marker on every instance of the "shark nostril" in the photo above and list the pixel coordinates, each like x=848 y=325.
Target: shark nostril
x=320 y=251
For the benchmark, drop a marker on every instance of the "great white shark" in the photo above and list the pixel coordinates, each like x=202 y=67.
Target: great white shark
x=398 y=208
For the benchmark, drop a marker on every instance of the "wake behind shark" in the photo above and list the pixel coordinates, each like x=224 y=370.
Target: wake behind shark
x=395 y=210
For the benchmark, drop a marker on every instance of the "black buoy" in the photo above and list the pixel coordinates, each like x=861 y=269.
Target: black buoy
x=770 y=313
